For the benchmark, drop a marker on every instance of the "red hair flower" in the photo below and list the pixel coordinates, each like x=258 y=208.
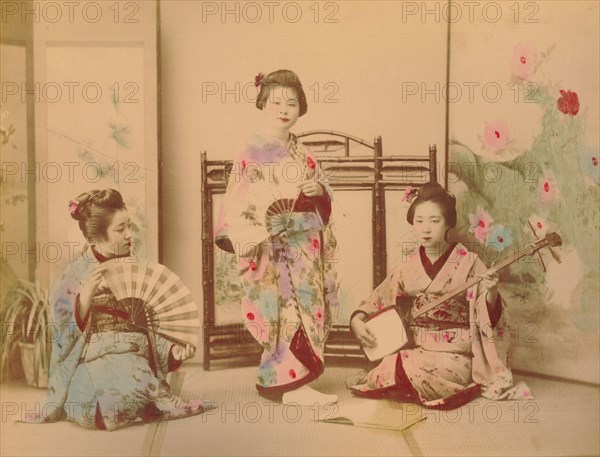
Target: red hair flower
x=568 y=103
x=258 y=79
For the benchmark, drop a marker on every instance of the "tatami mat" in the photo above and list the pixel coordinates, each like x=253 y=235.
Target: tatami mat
x=246 y=424
x=562 y=419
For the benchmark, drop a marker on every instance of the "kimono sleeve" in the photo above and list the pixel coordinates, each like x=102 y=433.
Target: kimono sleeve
x=384 y=295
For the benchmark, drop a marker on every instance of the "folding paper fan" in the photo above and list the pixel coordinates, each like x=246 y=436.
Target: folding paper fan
x=156 y=298
x=278 y=215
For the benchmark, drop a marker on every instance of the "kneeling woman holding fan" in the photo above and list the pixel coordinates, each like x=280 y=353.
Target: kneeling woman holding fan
x=122 y=324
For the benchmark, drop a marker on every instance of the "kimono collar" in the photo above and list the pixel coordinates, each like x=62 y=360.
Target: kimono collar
x=100 y=258
x=432 y=269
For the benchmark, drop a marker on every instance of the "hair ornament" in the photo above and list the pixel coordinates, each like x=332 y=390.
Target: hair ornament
x=73 y=205
x=410 y=194
x=258 y=79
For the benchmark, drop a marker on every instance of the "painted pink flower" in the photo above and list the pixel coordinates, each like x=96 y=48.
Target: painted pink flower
x=470 y=295
x=568 y=103
x=292 y=373
x=243 y=164
x=500 y=332
x=526 y=394
x=462 y=252
x=547 y=189
x=315 y=243
x=481 y=224
x=73 y=204
x=404 y=355
x=539 y=224
x=406 y=194
x=595 y=161
x=378 y=304
x=252 y=265
x=495 y=135
x=310 y=162
x=524 y=60
x=446 y=337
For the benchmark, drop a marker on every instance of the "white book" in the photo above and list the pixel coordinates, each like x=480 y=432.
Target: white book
x=389 y=330
x=382 y=414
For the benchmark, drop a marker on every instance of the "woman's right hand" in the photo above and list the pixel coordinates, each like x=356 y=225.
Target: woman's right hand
x=365 y=336
x=89 y=289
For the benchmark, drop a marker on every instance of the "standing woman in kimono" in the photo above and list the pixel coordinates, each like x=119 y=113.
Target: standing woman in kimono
x=275 y=218
x=105 y=372
x=459 y=348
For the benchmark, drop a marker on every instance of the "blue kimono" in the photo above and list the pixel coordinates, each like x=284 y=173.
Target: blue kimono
x=105 y=372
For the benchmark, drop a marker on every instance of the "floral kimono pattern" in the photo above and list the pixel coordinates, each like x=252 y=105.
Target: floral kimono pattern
x=284 y=244
x=104 y=373
x=456 y=351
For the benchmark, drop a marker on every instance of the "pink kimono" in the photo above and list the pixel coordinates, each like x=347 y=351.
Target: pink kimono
x=458 y=349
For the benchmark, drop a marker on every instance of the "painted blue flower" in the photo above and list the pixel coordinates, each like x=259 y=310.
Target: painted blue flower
x=589 y=163
x=267 y=375
x=501 y=237
x=270 y=304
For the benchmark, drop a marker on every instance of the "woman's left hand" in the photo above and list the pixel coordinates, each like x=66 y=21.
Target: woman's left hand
x=311 y=188
x=490 y=282
x=183 y=352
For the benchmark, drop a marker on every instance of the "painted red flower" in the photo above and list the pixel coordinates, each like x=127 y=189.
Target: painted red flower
x=258 y=79
x=243 y=164
x=462 y=252
x=292 y=373
x=252 y=265
x=315 y=243
x=250 y=316
x=568 y=103
x=595 y=161
x=311 y=163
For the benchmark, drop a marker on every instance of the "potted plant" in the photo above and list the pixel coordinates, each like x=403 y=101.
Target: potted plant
x=26 y=331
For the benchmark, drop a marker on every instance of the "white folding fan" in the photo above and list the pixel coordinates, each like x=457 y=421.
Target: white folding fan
x=156 y=298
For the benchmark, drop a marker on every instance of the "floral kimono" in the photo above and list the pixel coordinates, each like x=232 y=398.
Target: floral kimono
x=104 y=371
x=456 y=350
x=284 y=245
